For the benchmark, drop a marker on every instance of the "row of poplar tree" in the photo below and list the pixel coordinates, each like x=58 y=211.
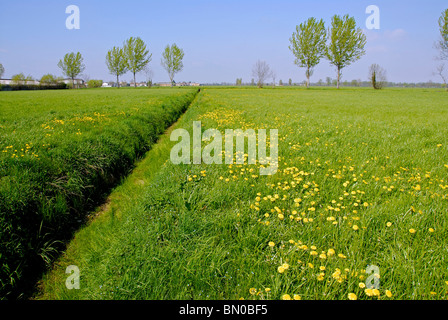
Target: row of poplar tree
x=133 y=57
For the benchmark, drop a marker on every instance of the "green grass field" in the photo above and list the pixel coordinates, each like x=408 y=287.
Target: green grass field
x=362 y=182
x=60 y=153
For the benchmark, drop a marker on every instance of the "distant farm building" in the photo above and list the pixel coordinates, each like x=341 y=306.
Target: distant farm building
x=179 y=84
x=76 y=82
x=139 y=84
x=10 y=81
x=5 y=81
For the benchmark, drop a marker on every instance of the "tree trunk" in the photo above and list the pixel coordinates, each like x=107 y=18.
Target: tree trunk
x=339 y=75
x=308 y=77
x=135 y=83
x=374 y=80
x=118 y=83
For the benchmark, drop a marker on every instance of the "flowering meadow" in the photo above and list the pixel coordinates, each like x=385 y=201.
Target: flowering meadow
x=358 y=209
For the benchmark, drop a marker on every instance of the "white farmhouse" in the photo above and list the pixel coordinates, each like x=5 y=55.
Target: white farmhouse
x=5 y=81
x=78 y=82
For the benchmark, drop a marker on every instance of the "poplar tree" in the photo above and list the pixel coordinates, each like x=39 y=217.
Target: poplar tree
x=136 y=55
x=72 y=65
x=172 y=60
x=442 y=44
x=308 y=45
x=347 y=43
x=116 y=62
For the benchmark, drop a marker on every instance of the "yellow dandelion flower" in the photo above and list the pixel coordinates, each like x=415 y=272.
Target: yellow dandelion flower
x=355 y=227
x=252 y=291
x=431 y=230
x=362 y=285
x=412 y=230
x=313 y=253
x=323 y=256
x=297 y=297
x=267 y=290
x=286 y=297
x=280 y=269
x=336 y=274
x=352 y=296
x=271 y=244
x=388 y=293
x=330 y=252
x=388 y=224
x=368 y=292
x=376 y=292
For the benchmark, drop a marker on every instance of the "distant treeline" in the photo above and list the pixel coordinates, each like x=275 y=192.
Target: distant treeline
x=17 y=87
x=332 y=83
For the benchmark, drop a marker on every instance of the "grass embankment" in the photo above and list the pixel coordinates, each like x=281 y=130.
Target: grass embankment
x=362 y=181
x=60 y=153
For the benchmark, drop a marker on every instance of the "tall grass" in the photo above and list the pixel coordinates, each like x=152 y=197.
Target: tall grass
x=362 y=182
x=60 y=153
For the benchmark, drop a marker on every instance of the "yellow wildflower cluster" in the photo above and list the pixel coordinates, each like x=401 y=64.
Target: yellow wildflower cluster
x=20 y=152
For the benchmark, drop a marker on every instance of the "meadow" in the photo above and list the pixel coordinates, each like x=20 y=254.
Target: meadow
x=362 y=185
x=60 y=154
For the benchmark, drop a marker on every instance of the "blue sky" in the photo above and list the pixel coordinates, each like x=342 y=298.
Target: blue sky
x=221 y=39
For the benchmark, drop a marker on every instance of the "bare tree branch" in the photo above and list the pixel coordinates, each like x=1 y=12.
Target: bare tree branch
x=261 y=71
